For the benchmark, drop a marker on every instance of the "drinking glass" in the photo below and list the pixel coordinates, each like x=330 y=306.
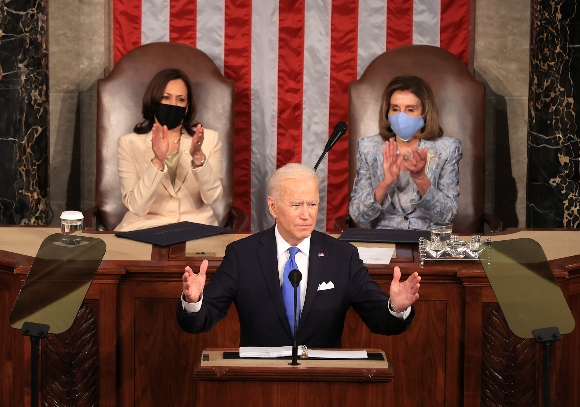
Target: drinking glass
x=442 y=231
x=71 y=226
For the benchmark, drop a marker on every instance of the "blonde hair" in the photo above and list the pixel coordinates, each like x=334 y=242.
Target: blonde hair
x=422 y=90
x=289 y=171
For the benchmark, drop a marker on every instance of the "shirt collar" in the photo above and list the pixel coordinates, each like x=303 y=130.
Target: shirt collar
x=282 y=245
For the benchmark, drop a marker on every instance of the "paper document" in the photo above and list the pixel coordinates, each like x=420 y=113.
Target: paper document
x=284 y=351
x=265 y=352
x=375 y=255
x=337 y=354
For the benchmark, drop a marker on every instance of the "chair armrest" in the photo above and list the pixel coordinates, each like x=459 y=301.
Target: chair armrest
x=238 y=219
x=90 y=218
x=342 y=222
x=494 y=223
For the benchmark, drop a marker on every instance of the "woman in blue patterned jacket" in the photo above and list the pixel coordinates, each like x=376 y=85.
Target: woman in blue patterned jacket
x=408 y=175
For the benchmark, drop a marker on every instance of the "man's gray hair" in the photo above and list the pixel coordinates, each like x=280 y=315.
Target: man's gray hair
x=289 y=171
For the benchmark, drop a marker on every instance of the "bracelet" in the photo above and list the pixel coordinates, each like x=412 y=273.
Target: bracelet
x=157 y=168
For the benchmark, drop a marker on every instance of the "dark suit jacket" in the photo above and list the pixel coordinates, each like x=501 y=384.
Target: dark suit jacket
x=248 y=276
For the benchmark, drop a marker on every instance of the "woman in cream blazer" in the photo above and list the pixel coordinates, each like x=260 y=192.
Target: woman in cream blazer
x=170 y=169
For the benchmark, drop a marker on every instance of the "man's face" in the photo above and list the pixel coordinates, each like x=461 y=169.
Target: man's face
x=296 y=209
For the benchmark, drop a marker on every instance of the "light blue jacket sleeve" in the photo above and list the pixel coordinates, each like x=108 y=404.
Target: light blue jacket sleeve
x=362 y=207
x=440 y=201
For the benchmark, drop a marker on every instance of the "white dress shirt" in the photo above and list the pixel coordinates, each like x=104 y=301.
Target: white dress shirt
x=301 y=258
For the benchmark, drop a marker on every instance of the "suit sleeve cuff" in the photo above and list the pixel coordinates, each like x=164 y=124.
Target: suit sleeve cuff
x=191 y=307
x=401 y=315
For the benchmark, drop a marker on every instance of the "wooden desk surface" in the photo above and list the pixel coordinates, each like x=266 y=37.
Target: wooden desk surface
x=557 y=244
x=26 y=240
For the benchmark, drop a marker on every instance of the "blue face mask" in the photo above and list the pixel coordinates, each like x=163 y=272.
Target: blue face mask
x=406 y=126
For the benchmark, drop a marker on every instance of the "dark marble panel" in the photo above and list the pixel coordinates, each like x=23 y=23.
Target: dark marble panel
x=553 y=139
x=24 y=139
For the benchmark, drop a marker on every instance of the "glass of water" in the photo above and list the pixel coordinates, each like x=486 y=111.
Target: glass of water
x=71 y=226
x=441 y=231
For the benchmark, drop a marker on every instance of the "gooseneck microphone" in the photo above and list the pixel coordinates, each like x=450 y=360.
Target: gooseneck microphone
x=295 y=276
x=337 y=133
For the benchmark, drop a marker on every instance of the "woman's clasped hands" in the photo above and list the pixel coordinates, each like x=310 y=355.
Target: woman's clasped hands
x=395 y=162
x=413 y=161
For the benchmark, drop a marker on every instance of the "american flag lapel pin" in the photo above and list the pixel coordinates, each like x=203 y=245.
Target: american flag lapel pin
x=320 y=254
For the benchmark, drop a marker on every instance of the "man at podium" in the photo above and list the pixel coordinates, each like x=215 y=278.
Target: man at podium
x=254 y=275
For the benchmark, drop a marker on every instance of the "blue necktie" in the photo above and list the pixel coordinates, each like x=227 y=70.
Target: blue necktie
x=288 y=290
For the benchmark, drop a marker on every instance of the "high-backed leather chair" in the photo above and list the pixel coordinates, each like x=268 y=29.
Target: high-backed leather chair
x=460 y=103
x=119 y=100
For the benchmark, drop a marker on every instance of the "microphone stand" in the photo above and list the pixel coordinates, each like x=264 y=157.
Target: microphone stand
x=337 y=133
x=36 y=332
x=294 y=342
x=295 y=276
x=319 y=160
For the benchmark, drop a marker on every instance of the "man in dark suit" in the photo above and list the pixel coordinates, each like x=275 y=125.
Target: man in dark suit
x=254 y=271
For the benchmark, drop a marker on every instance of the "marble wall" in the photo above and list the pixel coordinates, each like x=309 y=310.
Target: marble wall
x=80 y=53
x=24 y=114
x=553 y=149
x=501 y=61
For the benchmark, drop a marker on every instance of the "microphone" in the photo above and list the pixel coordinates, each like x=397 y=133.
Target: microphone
x=337 y=133
x=295 y=276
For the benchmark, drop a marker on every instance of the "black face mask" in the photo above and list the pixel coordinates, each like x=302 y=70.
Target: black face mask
x=170 y=115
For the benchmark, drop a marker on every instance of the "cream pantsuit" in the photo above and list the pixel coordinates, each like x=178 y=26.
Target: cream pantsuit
x=148 y=193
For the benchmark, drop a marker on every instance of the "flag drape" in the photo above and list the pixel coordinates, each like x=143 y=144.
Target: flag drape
x=291 y=62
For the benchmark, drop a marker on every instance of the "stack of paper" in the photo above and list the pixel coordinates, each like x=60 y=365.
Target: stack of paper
x=375 y=255
x=265 y=352
x=283 y=351
x=337 y=354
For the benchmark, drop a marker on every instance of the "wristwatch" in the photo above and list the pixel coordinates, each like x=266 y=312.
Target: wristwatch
x=201 y=163
x=392 y=308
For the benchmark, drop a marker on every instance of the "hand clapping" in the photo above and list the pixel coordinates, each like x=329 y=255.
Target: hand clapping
x=160 y=144
x=195 y=151
x=391 y=162
x=415 y=162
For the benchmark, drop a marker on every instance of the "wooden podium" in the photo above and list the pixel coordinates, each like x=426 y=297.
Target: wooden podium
x=272 y=382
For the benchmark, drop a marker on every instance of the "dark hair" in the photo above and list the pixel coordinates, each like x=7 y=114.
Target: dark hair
x=154 y=94
x=422 y=90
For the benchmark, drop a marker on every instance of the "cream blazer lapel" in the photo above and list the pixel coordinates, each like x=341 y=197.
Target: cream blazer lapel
x=148 y=155
x=184 y=165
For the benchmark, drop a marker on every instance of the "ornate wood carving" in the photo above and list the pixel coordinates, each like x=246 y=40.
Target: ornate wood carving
x=508 y=366
x=70 y=363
